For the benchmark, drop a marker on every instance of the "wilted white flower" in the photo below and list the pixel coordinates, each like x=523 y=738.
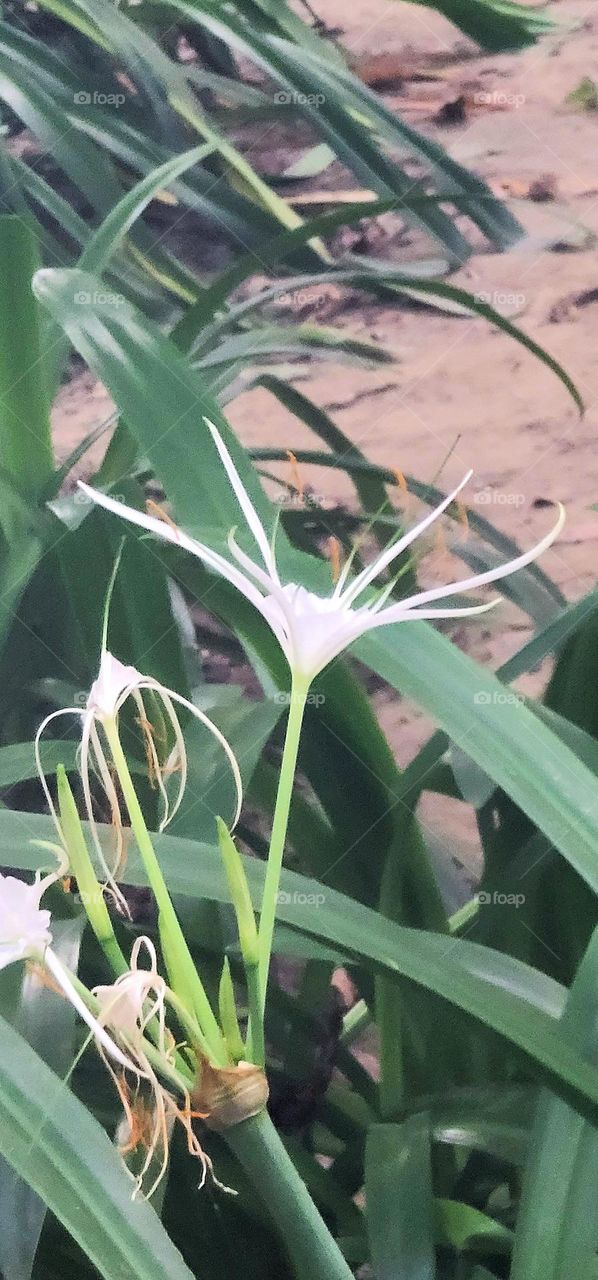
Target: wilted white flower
x=134 y=1004
x=313 y=629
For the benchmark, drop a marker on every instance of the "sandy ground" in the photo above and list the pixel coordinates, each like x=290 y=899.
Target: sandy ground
x=458 y=384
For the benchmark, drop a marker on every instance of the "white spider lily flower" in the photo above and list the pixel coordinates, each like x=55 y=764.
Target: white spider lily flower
x=25 y=934
x=131 y=1006
x=115 y=683
x=313 y=629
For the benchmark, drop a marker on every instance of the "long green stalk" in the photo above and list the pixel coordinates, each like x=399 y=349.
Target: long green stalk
x=299 y=690
x=183 y=975
x=311 y=1249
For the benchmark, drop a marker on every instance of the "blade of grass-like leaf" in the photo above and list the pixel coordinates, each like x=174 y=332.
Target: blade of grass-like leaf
x=461 y=1227
x=106 y=239
x=468 y=192
x=497 y=25
x=17 y=761
x=25 y=439
x=505 y=738
x=272 y=250
x=145 y=373
x=140 y=52
x=53 y=1142
x=557 y=1232
x=549 y=640
x=318 y=341
x=399 y=1209
x=48 y=1024
x=332 y=99
x=358 y=278
x=86 y=167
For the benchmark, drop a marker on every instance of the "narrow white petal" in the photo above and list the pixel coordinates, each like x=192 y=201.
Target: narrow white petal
x=54 y=715
x=163 y=530
x=398 y=613
x=176 y=536
x=271 y=586
x=244 y=500
x=491 y=575
x=368 y=574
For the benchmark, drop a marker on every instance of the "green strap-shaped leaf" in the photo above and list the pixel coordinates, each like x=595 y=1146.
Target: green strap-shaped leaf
x=399 y=1208
x=495 y=24
x=25 y=440
x=62 y=1152
x=557 y=1230
x=48 y=1022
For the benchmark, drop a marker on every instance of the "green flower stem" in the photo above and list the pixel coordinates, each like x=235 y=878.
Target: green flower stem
x=183 y=975
x=313 y=1252
x=88 y=884
x=188 y=1022
x=299 y=691
x=255 y=1048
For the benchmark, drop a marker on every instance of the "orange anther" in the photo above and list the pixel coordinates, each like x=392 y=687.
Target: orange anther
x=154 y=509
x=333 y=551
x=296 y=481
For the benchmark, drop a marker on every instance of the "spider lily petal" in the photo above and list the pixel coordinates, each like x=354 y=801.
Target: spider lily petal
x=371 y=572
x=311 y=629
x=170 y=533
x=244 y=501
x=490 y=575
